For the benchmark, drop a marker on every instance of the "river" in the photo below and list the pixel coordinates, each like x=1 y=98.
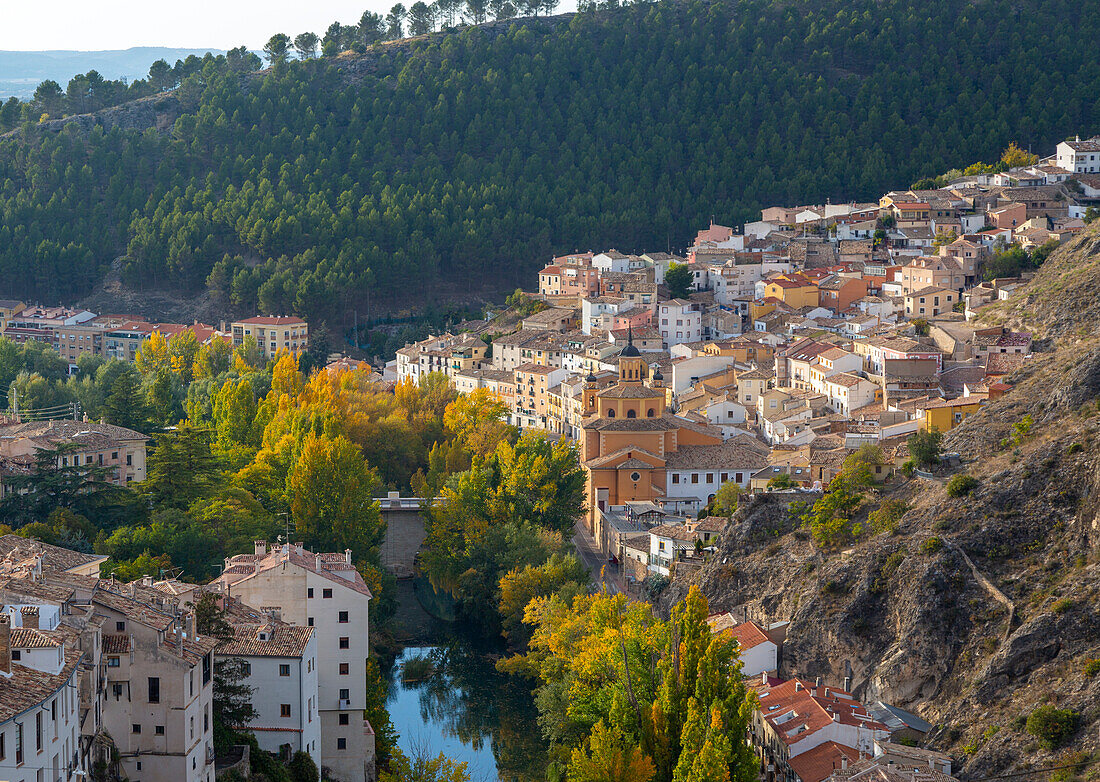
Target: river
x=453 y=700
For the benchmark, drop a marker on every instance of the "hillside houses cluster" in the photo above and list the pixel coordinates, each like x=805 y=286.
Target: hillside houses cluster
x=807 y=334
x=810 y=731
x=75 y=332
x=98 y=673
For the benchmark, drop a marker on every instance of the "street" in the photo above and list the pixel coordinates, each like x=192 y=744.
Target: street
x=603 y=572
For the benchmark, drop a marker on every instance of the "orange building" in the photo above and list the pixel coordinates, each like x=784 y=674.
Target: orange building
x=628 y=435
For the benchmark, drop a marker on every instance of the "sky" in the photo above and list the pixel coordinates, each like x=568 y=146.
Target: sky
x=33 y=25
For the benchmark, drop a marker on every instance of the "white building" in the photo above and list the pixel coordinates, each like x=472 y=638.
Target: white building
x=678 y=321
x=612 y=261
x=280 y=665
x=325 y=591
x=39 y=720
x=1080 y=157
x=759 y=651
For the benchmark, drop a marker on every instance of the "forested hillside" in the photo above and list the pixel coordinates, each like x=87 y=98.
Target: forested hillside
x=462 y=160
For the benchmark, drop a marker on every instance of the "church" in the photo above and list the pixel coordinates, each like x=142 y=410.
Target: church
x=629 y=438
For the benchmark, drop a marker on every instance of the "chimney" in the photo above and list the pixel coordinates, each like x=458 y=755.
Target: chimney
x=347 y=555
x=261 y=548
x=300 y=547
x=843 y=762
x=817 y=682
x=847 y=684
x=147 y=581
x=30 y=618
x=836 y=716
x=192 y=626
x=798 y=686
x=5 y=644
x=764 y=679
x=317 y=561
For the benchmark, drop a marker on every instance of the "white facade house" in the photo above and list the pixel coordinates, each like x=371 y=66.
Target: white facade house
x=612 y=261
x=326 y=592
x=280 y=665
x=679 y=322
x=1079 y=156
x=759 y=652
x=39 y=702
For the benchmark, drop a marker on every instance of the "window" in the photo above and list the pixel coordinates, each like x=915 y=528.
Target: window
x=117 y=690
x=710 y=477
x=344 y=670
x=113 y=662
x=16 y=654
x=309 y=621
x=675 y=477
x=4 y=747
x=158 y=730
x=309 y=592
x=326 y=593
x=207 y=664
x=114 y=455
x=284 y=670
x=345 y=695
x=19 y=742
x=284 y=709
x=695 y=477
x=343 y=617
x=120 y=627
x=344 y=719
x=129 y=459
x=38 y=731
x=154 y=689
x=341 y=743
x=631 y=414
x=135 y=728
x=345 y=642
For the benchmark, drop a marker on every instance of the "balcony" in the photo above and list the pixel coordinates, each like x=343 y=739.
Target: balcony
x=345 y=703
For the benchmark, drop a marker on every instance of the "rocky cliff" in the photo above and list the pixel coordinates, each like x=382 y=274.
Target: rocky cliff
x=978 y=609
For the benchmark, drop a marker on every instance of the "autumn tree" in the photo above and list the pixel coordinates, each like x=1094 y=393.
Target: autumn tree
x=607 y=756
x=332 y=498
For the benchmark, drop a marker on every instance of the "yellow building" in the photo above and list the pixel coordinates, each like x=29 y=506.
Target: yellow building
x=794 y=292
x=948 y=414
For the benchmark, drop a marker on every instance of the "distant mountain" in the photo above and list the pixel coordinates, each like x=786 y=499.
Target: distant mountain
x=21 y=72
x=451 y=166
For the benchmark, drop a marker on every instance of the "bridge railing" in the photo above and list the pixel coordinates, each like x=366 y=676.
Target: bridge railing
x=404 y=503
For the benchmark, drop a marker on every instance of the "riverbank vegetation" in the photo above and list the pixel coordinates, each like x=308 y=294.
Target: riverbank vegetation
x=618 y=687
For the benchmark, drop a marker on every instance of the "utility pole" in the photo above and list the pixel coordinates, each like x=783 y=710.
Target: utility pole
x=15 y=406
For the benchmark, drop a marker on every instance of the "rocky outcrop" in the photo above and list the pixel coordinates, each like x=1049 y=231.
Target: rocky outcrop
x=978 y=609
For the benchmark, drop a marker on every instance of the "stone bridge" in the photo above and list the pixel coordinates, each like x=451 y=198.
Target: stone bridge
x=405 y=532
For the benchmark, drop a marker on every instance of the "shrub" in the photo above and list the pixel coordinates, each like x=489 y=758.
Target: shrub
x=1092 y=666
x=1061 y=606
x=1051 y=725
x=932 y=545
x=886 y=517
x=655 y=585
x=961 y=485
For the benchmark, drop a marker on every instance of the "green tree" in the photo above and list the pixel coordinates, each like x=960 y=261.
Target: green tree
x=924 y=447
x=277 y=48
x=679 y=280
x=125 y=404
x=305 y=44
x=395 y=21
x=182 y=468
x=726 y=498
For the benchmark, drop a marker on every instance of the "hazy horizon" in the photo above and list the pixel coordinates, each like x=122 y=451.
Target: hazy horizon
x=69 y=25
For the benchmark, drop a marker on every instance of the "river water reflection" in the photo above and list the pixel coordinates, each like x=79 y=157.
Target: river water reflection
x=451 y=699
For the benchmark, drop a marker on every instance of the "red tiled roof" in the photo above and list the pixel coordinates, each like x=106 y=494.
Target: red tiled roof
x=748 y=635
x=820 y=762
x=267 y=320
